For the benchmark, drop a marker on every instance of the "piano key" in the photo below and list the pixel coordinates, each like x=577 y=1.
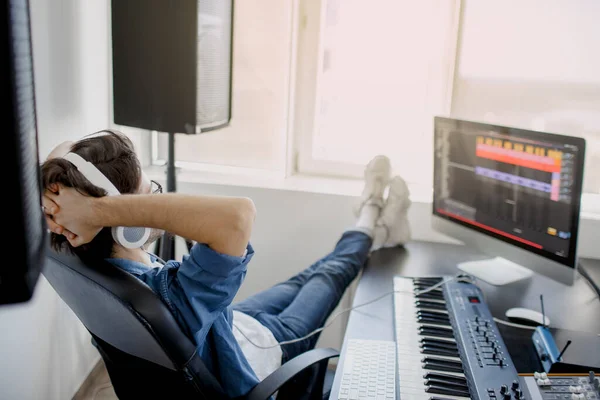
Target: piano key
x=457 y=362
x=439 y=352
x=451 y=345
x=444 y=318
x=427 y=331
x=444 y=390
x=417 y=358
x=433 y=321
x=433 y=313
x=438 y=328
x=437 y=366
x=442 y=382
x=430 y=305
x=430 y=296
x=439 y=347
x=446 y=376
x=412 y=342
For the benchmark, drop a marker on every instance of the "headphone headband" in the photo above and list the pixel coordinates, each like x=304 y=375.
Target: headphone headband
x=129 y=237
x=91 y=173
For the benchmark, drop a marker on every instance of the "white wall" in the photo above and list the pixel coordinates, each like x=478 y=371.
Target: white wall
x=45 y=350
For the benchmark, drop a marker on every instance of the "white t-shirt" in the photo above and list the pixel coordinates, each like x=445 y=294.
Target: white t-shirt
x=262 y=361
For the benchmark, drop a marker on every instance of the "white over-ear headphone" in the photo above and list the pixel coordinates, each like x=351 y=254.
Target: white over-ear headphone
x=129 y=237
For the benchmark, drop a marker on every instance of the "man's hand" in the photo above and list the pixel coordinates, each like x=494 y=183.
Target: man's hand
x=49 y=208
x=69 y=213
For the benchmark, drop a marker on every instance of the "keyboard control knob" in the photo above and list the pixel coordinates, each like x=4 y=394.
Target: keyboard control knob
x=506 y=396
x=501 y=363
x=518 y=394
x=503 y=389
x=515 y=385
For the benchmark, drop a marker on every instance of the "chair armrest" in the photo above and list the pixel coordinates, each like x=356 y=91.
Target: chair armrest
x=289 y=370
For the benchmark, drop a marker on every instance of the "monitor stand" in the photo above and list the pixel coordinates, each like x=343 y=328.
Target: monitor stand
x=496 y=271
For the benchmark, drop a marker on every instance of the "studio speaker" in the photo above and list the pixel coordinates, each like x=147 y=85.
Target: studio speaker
x=171 y=64
x=25 y=252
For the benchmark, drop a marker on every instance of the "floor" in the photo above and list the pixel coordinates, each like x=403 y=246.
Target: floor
x=97 y=386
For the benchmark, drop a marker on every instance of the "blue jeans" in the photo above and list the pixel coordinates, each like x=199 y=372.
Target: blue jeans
x=298 y=306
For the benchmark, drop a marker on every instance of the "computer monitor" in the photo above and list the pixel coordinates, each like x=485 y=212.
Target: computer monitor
x=513 y=194
x=25 y=229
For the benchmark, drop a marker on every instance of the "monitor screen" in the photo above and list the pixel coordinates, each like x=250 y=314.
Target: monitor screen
x=519 y=186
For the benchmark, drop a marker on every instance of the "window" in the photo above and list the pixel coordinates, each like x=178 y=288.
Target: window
x=533 y=67
x=383 y=70
x=339 y=81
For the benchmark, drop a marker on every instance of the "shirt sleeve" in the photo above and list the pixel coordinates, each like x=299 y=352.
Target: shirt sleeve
x=210 y=280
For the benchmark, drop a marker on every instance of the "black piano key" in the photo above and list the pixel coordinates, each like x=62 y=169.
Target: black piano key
x=433 y=321
x=430 y=295
x=432 y=313
x=445 y=349
x=436 y=332
x=439 y=343
x=444 y=383
x=434 y=317
x=435 y=351
x=430 y=304
x=447 y=391
x=447 y=377
x=435 y=366
x=457 y=364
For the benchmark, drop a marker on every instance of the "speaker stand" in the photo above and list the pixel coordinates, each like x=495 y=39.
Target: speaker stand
x=166 y=244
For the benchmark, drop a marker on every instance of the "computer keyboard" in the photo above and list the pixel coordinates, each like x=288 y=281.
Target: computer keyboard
x=369 y=370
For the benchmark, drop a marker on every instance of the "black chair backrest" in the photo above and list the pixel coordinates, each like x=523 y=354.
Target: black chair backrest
x=126 y=314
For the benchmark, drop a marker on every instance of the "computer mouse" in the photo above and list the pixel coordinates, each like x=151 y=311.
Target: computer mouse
x=525 y=316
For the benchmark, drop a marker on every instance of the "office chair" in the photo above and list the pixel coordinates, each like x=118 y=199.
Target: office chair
x=146 y=354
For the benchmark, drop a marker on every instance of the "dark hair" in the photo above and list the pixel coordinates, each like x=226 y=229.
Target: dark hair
x=113 y=154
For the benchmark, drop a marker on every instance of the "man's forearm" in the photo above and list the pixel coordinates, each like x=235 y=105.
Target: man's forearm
x=223 y=223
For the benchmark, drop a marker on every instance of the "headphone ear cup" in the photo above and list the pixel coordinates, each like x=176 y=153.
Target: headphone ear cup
x=130 y=237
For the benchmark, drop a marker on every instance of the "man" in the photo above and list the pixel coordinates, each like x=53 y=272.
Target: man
x=239 y=343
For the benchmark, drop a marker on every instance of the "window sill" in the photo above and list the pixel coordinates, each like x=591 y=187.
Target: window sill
x=317 y=184
x=301 y=182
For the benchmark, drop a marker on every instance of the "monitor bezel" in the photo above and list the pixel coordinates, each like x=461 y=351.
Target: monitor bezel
x=571 y=259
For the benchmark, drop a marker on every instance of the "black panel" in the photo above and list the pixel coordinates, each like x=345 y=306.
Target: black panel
x=26 y=230
x=154 y=49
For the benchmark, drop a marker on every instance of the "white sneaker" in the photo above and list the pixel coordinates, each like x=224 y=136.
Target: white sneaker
x=377 y=177
x=394 y=217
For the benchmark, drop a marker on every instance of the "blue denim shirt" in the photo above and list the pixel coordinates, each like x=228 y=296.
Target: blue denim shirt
x=199 y=292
